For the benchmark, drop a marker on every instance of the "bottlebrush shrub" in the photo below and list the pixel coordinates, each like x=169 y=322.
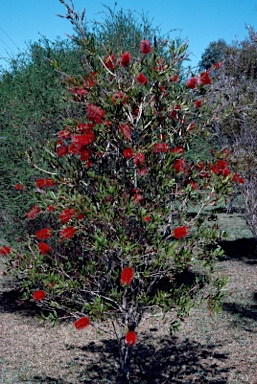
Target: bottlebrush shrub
x=130 y=223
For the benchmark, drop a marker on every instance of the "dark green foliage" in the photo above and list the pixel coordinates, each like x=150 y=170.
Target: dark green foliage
x=215 y=52
x=31 y=107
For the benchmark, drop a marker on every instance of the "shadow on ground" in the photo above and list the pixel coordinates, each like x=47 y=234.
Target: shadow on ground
x=245 y=248
x=155 y=361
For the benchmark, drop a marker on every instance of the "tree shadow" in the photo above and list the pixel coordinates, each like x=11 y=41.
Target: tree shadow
x=244 y=248
x=10 y=302
x=157 y=361
x=241 y=311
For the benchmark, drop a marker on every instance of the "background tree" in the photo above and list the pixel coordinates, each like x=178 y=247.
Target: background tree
x=215 y=52
x=233 y=103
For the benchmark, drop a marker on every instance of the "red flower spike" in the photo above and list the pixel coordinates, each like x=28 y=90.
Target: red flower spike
x=125 y=59
x=198 y=103
x=127 y=275
x=192 y=83
x=131 y=338
x=128 y=153
x=33 y=212
x=64 y=134
x=63 y=150
x=81 y=323
x=179 y=150
x=175 y=78
x=143 y=171
x=180 y=232
x=44 y=233
x=19 y=187
x=66 y=215
x=125 y=131
x=147 y=219
x=80 y=141
x=160 y=148
x=145 y=46
x=50 y=208
x=68 y=232
x=142 y=80
x=139 y=159
x=191 y=127
x=138 y=198
x=84 y=154
x=204 y=78
x=217 y=65
x=5 y=250
x=238 y=179
x=180 y=165
x=95 y=114
x=42 y=183
x=39 y=295
x=109 y=61
x=43 y=248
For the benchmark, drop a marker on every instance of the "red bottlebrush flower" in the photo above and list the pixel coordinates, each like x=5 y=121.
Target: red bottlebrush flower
x=125 y=131
x=198 y=103
x=81 y=323
x=226 y=172
x=43 y=248
x=180 y=165
x=42 y=183
x=19 y=187
x=191 y=127
x=68 y=232
x=128 y=153
x=138 y=198
x=204 y=78
x=160 y=148
x=147 y=219
x=145 y=46
x=160 y=65
x=179 y=150
x=117 y=98
x=109 y=61
x=217 y=65
x=131 y=338
x=238 y=179
x=39 y=295
x=50 y=208
x=62 y=150
x=125 y=59
x=33 y=212
x=44 y=233
x=84 y=127
x=142 y=79
x=80 y=141
x=222 y=164
x=139 y=159
x=95 y=114
x=142 y=171
x=127 y=275
x=66 y=215
x=80 y=216
x=84 y=154
x=194 y=185
x=192 y=83
x=64 y=134
x=5 y=250
x=175 y=78
x=180 y=232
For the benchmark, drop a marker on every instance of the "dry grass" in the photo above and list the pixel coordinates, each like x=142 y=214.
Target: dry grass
x=207 y=349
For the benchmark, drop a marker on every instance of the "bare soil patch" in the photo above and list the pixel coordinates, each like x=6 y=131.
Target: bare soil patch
x=207 y=349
